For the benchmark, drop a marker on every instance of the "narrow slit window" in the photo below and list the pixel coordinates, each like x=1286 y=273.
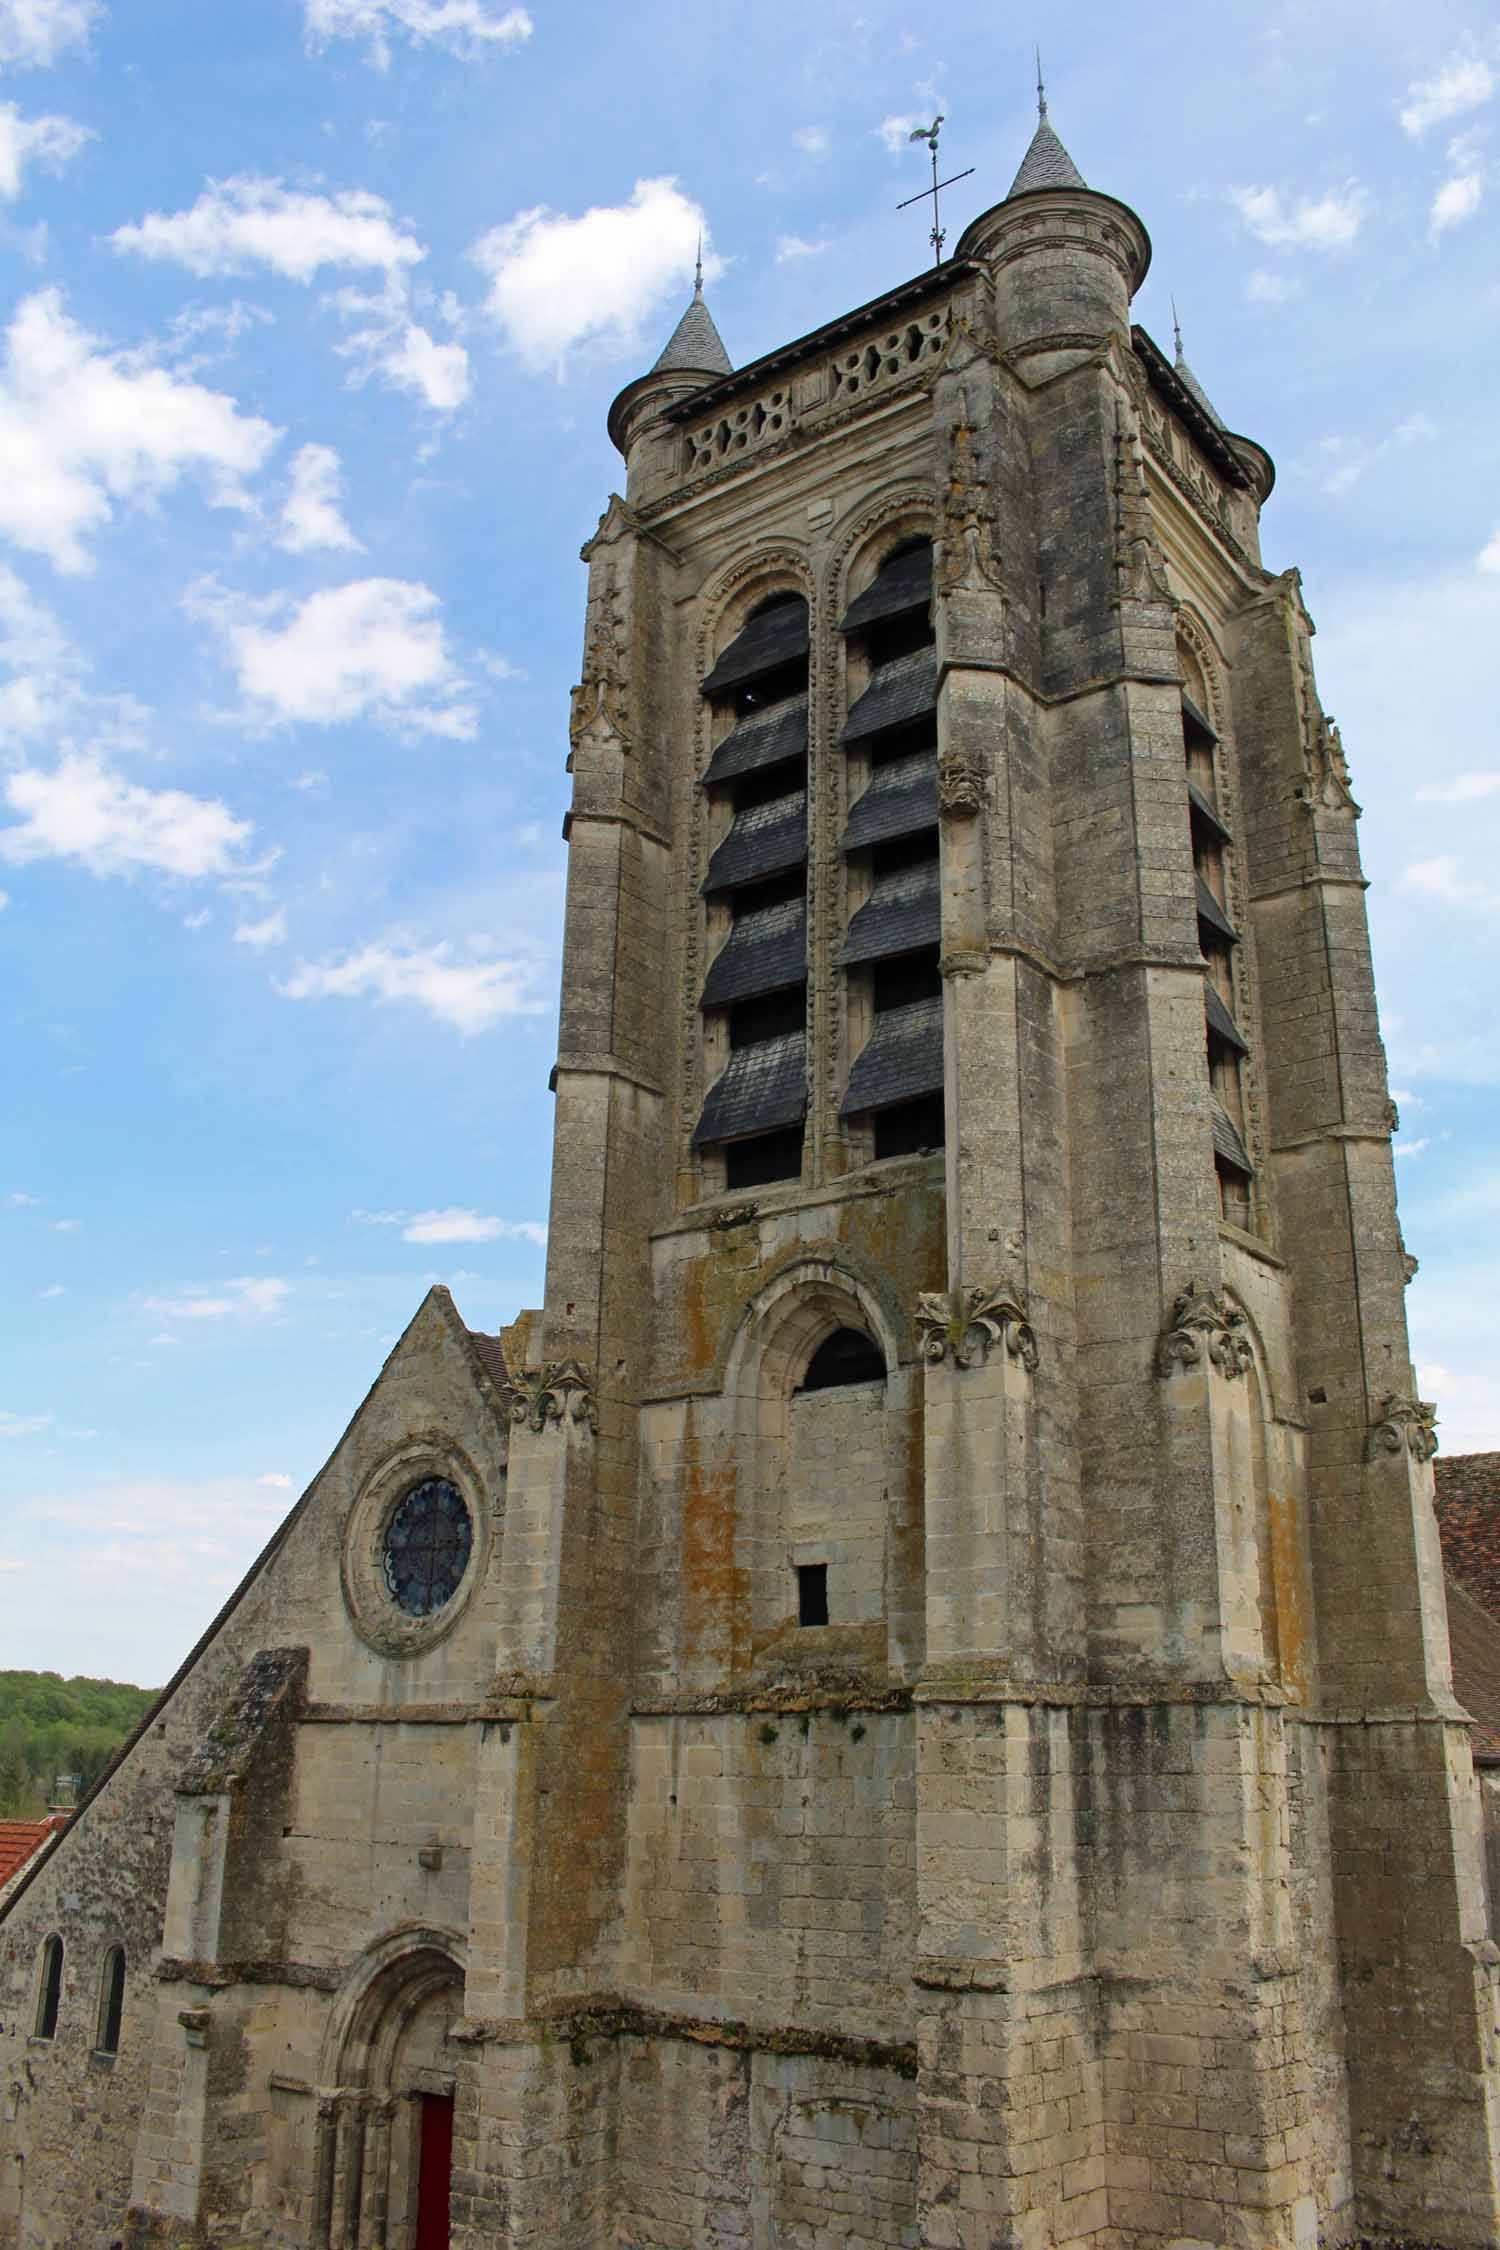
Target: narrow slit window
x=111 y=2001
x=812 y=1593
x=49 y=1997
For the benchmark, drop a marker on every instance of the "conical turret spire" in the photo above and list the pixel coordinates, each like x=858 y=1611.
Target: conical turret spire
x=1046 y=163
x=1187 y=378
x=695 y=345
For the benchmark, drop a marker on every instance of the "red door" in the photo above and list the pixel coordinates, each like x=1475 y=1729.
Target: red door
x=434 y=2172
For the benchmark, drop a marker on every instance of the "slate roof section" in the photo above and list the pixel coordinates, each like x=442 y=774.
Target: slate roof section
x=766 y=738
x=1211 y=912
x=1227 y=1143
x=1195 y=390
x=773 y=637
x=695 y=346
x=902 y=1058
x=764 y=1087
x=1220 y=1021
x=903 y=912
x=1046 y=164
x=1468 y=1515
x=904 y=584
x=1474 y=1638
x=763 y=840
x=765 y=952
x=898 y=693
x=901 y=800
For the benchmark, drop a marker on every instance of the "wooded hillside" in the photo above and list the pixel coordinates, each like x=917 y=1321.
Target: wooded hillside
x=51 y=1726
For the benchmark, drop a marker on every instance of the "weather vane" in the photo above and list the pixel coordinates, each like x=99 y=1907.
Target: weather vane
x=929 y=134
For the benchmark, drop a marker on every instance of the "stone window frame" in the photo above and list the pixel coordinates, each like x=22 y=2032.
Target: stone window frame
x=380 y=1623
x=51 y=1963
x=110 y=2010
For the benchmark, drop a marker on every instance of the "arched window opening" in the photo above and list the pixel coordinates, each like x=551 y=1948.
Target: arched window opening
x=49 y=1997
x=847 y=1356
x=111 y=2002
x=1227 y=1048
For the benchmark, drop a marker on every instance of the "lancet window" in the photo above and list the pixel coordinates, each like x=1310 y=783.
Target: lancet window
x=111 y=2002
x=754 y=1000
x=1217 y=940
x=49 y=1988
x=890 y=952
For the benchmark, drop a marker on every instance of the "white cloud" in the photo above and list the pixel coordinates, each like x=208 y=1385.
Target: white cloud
x=1267 y=288
x=1460 y=85
x=65 y=1226
x=19 y=1200
x=790 y=247
x=1344 y=460
x=468 y=27
x=248 y=221
x=391 y=345
x=270 y=930
x=310 y=517
x=1488 y=558
x=4 y=900
x=558 y=282
x=83 y=429
x=372 y=649
x=896 y=132
x=1409 y=1148
x=813 y=140
x=54 y=1289
x=23 y=1425
x=1463 y=789
x=251 y=1294
x=34 y=33
x=81 y=811
x=1327 y=222
x=274 y=1481
x=52 y=141
x=1460 y=196
x=1442 y=879
x=467 y=995
x=455 y=1225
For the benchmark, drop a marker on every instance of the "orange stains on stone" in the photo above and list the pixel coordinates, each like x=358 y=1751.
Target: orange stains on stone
x=715 y=1590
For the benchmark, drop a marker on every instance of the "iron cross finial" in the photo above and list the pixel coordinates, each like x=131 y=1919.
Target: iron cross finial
x=929 y=134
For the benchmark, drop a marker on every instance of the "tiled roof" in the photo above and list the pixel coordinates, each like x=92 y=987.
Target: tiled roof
x=20 y=1838
x=490 y=1355
x=1474 y=1638
x=1468 y=1513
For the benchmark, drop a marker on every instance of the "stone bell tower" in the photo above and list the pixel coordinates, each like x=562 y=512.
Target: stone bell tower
x=989 y=1771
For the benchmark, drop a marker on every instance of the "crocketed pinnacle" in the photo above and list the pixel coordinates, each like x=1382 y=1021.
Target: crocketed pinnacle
x=695 y=345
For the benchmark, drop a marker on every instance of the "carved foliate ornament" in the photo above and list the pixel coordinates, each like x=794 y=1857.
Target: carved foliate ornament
x=965 y=552
x=1204 y=1322
x=542 y=1398
x=960 y=786
x=1406 y=1425
x=600 y=700
x=1140 y=571
x=1329 y=781
x=965 y=1325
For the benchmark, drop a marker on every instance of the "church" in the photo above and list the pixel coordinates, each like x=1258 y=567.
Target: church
x=910 y=1702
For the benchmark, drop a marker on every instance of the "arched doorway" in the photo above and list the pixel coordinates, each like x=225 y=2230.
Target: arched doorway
x=385 y=2155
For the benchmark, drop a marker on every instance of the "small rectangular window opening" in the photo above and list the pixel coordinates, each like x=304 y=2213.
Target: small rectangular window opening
x=812 y=1593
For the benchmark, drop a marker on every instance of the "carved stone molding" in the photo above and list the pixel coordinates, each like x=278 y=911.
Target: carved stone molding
x=1403 y=1425
x=601 y=699
x=966 y=546
x=965 y=1325
x=542 y=1398
x=960 y=786
x=1202 y=1322
x=1140 y=571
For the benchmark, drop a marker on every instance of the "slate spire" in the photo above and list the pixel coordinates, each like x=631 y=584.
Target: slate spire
x=695 y=345
x=1046 y=163
x=1187 y=378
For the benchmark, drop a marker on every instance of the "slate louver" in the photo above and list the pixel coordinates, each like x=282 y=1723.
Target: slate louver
x=764 y=739
x=774 y=637
x=764 y=1087
x=903 y=912
x=1221 y=1022
x=763 y=840
x=1207 y=812
x=765 y=952
x=901 y=1060
x=904 y=584
x=899 y=692
x=901 y=800
x=1228 y=1147
x=1212 y=914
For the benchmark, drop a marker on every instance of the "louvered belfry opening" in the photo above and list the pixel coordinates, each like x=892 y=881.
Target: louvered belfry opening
x=754 y=999
x=891 y=947
x=1217 y=939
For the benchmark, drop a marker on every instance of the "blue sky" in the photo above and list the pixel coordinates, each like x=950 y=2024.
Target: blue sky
x=312 y=312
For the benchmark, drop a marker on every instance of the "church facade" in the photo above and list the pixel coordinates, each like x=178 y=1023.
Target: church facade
x=909 y=1703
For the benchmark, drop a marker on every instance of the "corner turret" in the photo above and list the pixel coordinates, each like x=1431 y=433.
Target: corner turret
x=692 y=357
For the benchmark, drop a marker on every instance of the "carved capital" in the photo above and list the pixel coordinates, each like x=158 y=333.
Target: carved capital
x=965 y=1325
x=960 y=786
x=1403 y=1425
x=1203 y=1323
x=542 y=1398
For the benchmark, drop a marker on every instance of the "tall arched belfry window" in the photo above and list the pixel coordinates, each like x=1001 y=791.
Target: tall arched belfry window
x=1217 y=939
x=890 y=951
x=754 y=1000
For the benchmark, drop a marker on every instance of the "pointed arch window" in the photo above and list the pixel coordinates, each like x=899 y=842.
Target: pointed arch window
x=111 y=2002
x=49 y=1988
x=1227 y=1048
